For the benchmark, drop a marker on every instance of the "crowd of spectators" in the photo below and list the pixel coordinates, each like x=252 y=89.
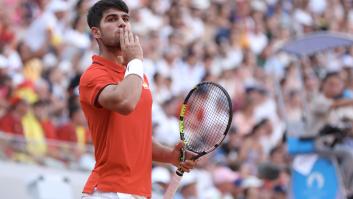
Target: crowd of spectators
x=45 y=45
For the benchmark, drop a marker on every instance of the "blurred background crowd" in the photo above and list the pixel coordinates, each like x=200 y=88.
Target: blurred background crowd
x=45 y=45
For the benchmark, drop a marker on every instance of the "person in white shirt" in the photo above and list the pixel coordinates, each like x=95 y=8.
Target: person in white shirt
x=47 y=29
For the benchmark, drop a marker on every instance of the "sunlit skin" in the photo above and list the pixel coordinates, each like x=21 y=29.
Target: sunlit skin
x=113 y=22
x=114 y=25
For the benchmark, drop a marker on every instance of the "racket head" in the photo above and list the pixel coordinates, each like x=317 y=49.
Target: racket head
x=205 y=118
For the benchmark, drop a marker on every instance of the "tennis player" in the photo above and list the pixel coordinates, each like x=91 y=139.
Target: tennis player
x=117 y=103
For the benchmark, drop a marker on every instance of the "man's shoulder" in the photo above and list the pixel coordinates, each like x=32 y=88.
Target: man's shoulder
x=92 y=73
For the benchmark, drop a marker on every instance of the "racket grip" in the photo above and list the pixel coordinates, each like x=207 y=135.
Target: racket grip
x=174 y=184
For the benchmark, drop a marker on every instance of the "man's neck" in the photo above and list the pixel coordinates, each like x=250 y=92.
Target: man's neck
x=113 y=56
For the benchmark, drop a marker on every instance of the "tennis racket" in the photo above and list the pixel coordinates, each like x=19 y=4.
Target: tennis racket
x=205 y=118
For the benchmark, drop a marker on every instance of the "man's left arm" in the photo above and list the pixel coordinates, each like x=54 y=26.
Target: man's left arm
x=164 y=154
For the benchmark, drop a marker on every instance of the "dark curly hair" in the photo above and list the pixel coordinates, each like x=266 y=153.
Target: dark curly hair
x=95 y=13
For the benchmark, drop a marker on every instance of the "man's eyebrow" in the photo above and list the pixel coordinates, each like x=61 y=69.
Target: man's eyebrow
x=111 y=15
x=116 y=15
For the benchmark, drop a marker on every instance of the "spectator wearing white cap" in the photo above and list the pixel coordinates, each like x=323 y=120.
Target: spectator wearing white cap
x=302 y=21
x=160 y=180
x=251 y=186
x=188 y=187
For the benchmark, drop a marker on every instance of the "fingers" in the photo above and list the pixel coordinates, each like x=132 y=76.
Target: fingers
x=122 y=38
x=189 y=155
x=126 y=37
x=137 y=40
x=179 y=145
x=187 y=165
x=130 y=45
x=131 y=37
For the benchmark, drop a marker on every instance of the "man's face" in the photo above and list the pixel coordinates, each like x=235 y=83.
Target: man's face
x=333 y=86
x=113 y=21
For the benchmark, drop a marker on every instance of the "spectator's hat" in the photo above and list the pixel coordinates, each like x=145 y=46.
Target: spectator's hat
x=200 y=4
x=160 y=175
x=303 y=18
x=224 y=175
x=251 y=182
x=188 y=179
x=58 y=6
x=259 y=6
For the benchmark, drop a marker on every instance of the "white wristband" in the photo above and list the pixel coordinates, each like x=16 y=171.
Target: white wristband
x=135 y=67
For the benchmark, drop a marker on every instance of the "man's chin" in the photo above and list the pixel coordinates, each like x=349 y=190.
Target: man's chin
x=114 y=47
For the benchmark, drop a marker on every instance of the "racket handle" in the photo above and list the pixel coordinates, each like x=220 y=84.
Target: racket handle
x=174 y=184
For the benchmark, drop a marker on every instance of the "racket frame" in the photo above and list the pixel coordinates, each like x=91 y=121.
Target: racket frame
x=182 y=125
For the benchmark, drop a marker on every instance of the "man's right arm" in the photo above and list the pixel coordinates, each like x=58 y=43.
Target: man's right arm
x=123 y=97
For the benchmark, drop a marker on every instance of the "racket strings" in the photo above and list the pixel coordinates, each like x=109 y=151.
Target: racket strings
x=207 y=133
x=220 y=118
x=207 y=118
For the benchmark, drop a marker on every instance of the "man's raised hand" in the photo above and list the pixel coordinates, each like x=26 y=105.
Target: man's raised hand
x=130 y=46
